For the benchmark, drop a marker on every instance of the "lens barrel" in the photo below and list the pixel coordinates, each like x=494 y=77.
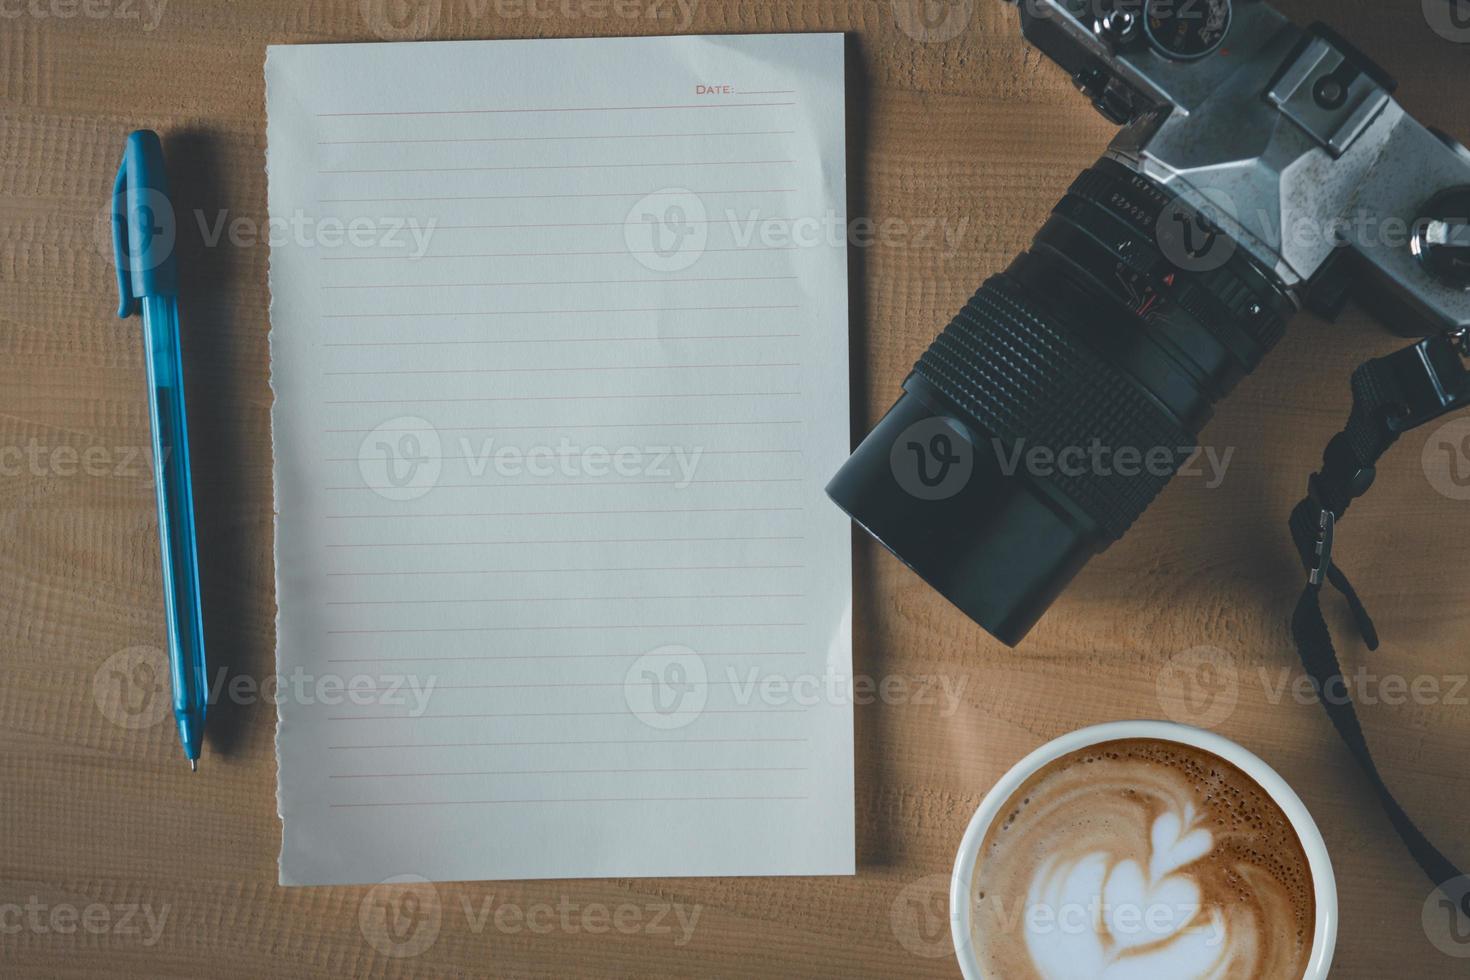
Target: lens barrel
x=1062 y=399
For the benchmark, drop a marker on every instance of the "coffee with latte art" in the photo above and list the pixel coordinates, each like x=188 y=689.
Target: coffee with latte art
x=1142 y=860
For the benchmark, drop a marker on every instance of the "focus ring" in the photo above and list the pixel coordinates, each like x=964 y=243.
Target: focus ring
x=1235 y=301
x=1032 y=385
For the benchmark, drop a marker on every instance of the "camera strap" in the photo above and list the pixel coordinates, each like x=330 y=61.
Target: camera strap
x=1391 y=395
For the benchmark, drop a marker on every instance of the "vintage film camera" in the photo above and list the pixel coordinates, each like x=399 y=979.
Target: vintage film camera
x=1262 y=168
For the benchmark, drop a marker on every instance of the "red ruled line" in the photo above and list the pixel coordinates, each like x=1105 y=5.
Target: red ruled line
x=626 y=712
x=541 y=714
x=571 y=398
x=575 y=455
x=609 y=425
x=565 y=513
x=611 y=484
x=611 y=108
x=557 y=772
x=532 y=255
x=583 y=224
x=599 y=741
x=563 y=166
x=636 y=309
x=548 y=629
x=557 y=598
x=549 y=139
x=562 y=571
x=554 y=197
x=555 y=656
x=599 y=799
x=559 y=282
x=568 y=340
x=545 y=541
x=570 y=370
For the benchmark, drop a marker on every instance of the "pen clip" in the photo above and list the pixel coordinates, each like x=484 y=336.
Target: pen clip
x=127 y=302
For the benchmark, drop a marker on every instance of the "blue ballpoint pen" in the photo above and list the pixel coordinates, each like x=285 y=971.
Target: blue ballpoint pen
x=143 y=238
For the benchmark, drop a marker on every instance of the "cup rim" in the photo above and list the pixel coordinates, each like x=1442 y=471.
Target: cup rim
x=1324 y=882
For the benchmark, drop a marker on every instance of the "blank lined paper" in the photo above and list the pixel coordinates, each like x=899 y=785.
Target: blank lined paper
x=559 y=348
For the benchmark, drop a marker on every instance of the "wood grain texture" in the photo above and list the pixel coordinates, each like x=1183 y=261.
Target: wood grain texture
x=977 y=129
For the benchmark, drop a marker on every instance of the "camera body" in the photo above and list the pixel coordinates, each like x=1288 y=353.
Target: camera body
x=1289 y=138
x=1261 y=169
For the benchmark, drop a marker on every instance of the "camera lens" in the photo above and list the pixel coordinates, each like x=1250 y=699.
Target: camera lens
x=1062 y=399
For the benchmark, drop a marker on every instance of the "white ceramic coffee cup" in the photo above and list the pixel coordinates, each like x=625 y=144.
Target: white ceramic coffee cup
x=1324 y=939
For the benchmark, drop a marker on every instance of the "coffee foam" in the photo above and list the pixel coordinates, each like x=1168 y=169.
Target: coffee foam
x=1142 y=859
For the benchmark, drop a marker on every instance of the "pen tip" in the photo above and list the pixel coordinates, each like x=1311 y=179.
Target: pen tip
x=193 y=765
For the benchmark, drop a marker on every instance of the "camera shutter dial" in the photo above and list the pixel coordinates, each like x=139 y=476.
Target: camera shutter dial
x=1185 y=30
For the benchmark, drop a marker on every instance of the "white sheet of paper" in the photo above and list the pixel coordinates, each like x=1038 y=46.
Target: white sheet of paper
x=559 y=348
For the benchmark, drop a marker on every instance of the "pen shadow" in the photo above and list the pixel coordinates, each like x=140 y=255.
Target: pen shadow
x=219 y=354
x=873 y=844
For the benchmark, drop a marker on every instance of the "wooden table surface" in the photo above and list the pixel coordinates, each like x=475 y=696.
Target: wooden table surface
x=115 y=861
